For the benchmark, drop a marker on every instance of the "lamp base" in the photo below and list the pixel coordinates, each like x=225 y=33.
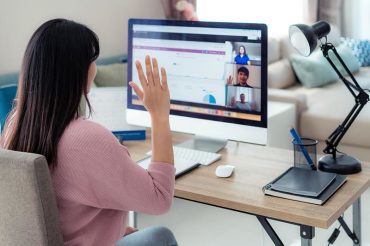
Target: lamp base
x=343 y=164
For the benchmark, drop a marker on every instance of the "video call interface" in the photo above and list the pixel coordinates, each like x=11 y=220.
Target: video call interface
x=210 y=71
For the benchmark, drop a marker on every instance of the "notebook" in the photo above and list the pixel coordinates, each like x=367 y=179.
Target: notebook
x=305 y=185
x=182 y=165
x=301 y=181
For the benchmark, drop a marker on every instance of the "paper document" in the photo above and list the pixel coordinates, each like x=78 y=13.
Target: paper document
x=109 y=108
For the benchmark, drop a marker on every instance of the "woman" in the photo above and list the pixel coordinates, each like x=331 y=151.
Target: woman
x=242 y=58
x=95 y=180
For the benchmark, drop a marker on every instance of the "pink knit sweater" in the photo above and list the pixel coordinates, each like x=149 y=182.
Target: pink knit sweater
x=97 y=183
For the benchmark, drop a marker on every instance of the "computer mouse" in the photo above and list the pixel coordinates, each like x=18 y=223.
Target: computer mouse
x=224 y=171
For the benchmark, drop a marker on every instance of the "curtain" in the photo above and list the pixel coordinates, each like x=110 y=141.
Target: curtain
x=310 y=11
x=326 y=10
x=331 y=11
x=171 y=12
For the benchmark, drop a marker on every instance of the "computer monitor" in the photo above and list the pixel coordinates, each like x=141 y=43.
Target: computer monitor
x=217 y=91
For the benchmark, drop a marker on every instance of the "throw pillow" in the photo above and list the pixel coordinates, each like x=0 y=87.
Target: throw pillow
x=315 y=70
x=111 y=75
x=349 y=59
x=360 y=48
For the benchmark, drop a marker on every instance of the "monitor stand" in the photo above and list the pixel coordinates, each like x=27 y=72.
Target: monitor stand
x=204 y=143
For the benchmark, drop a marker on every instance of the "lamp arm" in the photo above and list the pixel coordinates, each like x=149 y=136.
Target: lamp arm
x=360 y=100
x=325 y=48
x=336 y=136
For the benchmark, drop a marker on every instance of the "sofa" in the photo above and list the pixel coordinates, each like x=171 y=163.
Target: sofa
x=320 y=109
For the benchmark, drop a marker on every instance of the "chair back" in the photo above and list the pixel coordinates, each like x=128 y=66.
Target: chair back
x=28 y=210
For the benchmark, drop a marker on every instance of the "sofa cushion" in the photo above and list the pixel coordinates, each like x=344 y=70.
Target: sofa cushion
x=327 y=108
x=363 y=77
x=280 y=74
x=360 y=48
x=111 y=60
x=315 y=70
x=9 y=79
x=289 y=96
x=111 y=75
x=286 y=49
x=273 y=50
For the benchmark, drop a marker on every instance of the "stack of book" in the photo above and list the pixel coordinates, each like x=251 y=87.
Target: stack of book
x=305 y=185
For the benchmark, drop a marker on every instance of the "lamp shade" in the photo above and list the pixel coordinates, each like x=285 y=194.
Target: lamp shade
x=304 y=38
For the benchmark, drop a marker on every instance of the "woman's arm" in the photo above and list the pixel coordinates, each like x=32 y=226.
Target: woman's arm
x=156 y=99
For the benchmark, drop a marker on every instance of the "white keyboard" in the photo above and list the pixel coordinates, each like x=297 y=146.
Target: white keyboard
x=194 y=156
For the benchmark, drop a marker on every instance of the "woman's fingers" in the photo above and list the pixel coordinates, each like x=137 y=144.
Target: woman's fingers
x=137 y=90
x=140 y=72
x=155 y=93
x=164 y=79
x=149 y=71
x=152 y=77
x=156 y=78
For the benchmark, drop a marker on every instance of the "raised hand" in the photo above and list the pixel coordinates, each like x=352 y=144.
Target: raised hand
x=155 y=94
x=156 y=99
x=230 y=80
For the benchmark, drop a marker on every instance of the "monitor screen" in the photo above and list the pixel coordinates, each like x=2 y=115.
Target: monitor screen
x=216 y=72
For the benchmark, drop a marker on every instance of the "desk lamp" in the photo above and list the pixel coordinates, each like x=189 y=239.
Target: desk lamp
x=304 y=39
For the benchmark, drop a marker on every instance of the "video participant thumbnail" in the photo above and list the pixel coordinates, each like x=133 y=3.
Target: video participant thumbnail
x=244 y=98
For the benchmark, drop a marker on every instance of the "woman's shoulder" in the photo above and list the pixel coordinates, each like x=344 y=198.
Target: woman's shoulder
x=85 y=125
x=84 y=130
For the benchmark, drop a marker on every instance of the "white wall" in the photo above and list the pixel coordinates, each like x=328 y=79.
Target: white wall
x=20 y=18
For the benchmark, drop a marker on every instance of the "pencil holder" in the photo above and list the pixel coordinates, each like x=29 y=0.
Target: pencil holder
x=301 y=159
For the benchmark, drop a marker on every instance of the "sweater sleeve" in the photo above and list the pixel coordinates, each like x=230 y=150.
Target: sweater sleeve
x=98 y=171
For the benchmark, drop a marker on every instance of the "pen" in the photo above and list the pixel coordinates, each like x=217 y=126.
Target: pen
x=303 y=149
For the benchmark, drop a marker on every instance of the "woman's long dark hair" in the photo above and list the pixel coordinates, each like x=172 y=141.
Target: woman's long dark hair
x=53 y=78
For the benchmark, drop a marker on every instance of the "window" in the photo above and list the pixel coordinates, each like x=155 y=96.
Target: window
x=278 y=15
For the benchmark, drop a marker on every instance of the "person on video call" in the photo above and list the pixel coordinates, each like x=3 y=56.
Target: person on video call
x=243 y=75
x=242 y=104
x=241 y=58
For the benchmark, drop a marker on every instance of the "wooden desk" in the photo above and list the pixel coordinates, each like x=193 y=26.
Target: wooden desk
x=255 y=167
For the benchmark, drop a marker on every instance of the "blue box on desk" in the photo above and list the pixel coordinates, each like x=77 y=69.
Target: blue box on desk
x=130 y=135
